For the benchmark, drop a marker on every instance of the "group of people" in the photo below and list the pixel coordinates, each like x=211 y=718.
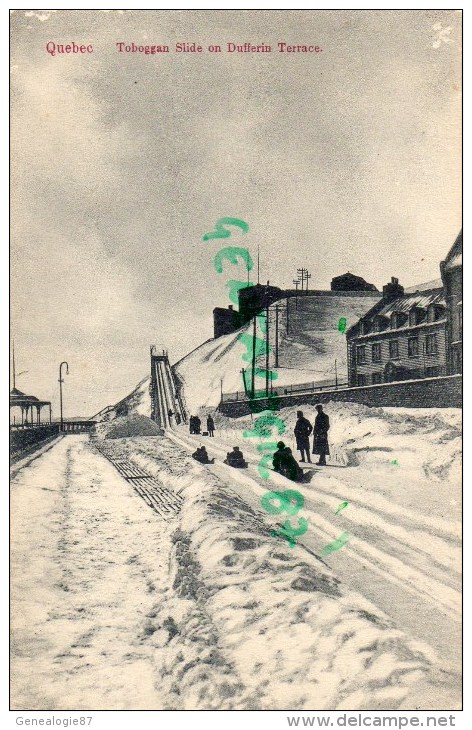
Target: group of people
x=234 y=458
x=302 y=431
x=283 y=460
x=195 y=425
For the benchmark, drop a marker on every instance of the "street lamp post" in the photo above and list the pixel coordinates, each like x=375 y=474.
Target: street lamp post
x=60 y=388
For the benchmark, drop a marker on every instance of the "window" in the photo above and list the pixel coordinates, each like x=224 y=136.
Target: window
x=431 y=372
x=431 y=345
x=376 y=378
x=432 y=313
x=394 y=321
x=365 y=327
x=413 y=347
x=361 y=354
x=376 y=352
x=361 y=380
x=393 y=349
x=412 y=317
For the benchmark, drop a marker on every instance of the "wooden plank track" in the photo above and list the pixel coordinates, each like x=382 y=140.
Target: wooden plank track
x=162 y=500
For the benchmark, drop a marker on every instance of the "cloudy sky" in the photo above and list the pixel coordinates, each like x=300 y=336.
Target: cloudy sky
x=344 y=160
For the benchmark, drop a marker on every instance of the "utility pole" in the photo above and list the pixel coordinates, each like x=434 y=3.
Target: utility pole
x=336 y=373
x=243 y=373
x=60 y=388
x=253 y=374
x=276 y=363
x=267 y=352
x=14 y=373
x=296 y=282
x=301 y=275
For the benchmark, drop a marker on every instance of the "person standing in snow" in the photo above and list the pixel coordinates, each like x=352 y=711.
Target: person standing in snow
x=197 y=424
x=320 y=441
x=302 y=431
x=210 y=426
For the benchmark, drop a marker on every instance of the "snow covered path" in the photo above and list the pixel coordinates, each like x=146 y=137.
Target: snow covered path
x=117 y=608
x=406 y=561
x=88 y=557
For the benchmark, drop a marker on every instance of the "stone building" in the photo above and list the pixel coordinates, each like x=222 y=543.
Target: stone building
x=351 y=282
x=401 y=337
x=451 y=275
x=226 y=320
x=256 y=298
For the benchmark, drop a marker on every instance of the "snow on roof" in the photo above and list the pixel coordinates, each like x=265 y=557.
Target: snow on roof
x=454 y=262
x=426 y=286
x=406 y=303
x=454 y=257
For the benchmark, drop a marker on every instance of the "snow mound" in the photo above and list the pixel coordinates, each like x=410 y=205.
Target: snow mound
x=312 y=646
x=208 y=368
x=426 y=440
x=138 y=401
x=126 y=426
x=250 y=623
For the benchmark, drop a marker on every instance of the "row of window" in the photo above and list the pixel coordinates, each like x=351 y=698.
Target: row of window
x=416 y=315
x=376 y=378
x=430 y=347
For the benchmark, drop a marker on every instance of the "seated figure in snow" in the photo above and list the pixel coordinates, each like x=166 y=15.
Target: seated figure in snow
x=284 y=463
x=236 y=458
x=201 y=455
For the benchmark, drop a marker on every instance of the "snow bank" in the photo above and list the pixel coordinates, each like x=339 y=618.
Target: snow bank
x=127 y=426
x=293 y=634
x=426 y=441
x=254 y=624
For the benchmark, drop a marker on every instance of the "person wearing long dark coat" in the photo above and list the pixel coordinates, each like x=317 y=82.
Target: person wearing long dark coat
x=302 y=431
x=320 y=432
x=210 y=426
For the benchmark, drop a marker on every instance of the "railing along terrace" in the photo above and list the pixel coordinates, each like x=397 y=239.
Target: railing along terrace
x=311 y=387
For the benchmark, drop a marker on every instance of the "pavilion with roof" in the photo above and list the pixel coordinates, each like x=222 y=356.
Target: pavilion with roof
x=29 y=407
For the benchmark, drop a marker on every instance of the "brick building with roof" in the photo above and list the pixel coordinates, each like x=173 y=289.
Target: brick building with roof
x=402 y=337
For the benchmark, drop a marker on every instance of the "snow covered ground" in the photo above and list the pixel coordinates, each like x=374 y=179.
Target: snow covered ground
x=216 y=365
x=116 y=608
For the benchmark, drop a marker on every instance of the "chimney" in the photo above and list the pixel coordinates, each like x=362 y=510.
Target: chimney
x=393 y=289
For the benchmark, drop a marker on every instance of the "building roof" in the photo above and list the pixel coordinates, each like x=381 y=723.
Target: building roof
x=426 y=286
x=17 y=398
x=410 y=301
x=351 y=282
x=385 y=308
